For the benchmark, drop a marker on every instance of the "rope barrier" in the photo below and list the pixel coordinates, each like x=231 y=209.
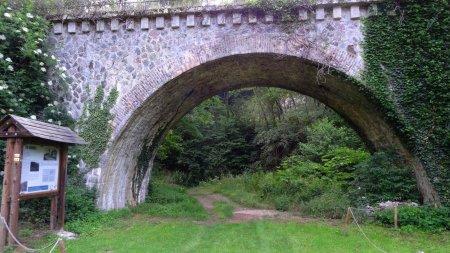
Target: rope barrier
x=362 y=232
x=25 y=247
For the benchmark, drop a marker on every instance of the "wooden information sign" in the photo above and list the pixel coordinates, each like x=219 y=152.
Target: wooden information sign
x=35 y=166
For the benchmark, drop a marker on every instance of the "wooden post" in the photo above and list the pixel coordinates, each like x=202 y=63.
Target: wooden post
x=15 y=190
x=396 y=216
x=53 y=212
x=6 y=190
x=347 y=221
x=62 y=185
x=62 y=249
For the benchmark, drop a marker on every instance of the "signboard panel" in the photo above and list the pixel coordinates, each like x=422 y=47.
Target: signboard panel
x=40 y=169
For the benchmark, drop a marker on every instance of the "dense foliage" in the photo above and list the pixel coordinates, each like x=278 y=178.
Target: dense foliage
x=406 y=58
x=424 y=218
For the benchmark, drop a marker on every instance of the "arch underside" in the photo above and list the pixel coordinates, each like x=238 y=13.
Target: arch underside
x=141 y=126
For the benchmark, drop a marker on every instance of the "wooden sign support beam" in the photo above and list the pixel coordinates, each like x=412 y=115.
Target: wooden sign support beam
x=15 y=189
x=6 y=193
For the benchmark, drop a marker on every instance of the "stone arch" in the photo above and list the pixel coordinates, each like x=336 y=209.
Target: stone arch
x=144 y=115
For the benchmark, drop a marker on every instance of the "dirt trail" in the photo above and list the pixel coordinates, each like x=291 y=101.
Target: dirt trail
x=240 y=214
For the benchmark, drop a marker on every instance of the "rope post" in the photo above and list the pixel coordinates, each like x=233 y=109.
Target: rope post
x=396 y=216
x=62 y=249
x=347 y=221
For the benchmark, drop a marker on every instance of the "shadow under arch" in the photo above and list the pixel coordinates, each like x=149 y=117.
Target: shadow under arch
x=126 y=165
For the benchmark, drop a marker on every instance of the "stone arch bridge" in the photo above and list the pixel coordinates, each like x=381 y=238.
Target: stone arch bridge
x=165 y=62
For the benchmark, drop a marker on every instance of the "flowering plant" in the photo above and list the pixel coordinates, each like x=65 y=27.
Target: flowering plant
x=26 y=66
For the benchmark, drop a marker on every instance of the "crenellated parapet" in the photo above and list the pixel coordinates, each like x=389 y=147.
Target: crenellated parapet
x=101 y=20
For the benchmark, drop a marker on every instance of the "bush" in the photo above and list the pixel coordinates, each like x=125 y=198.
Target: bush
x=423 y=218
x=380 y=179
x=324 y=136
x=328 y=205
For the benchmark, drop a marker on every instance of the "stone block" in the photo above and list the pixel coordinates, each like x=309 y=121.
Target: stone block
x=100 y=26
x=85 y=26
x=206 y=21
x=302 y=15
x=237 y=18
x=354 y=12
x=57 y=28
x=72 y=27
x=114 y=24
x=268 y=18
x=337 y=12
x=373 y=10
x=160 y=22
x=320 y=14
x=145 y=23
x=175 y=22
x=221 y=19
x=190 y=20
x=252 y=18
x=129 y=24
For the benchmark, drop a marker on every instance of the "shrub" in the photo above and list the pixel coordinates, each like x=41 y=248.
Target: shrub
x=423 y=218
x=328 y=205
x=380 y=179
x=324 y=136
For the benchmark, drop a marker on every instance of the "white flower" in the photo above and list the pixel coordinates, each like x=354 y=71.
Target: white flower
x=10 y=68
x=8 y=59
x=43 y=70
x=42 y=84
x=37 y=51
x=69 y=156
x=55 y=102
x=25 y=29
x=49 y=104
x=50 y=120
x=1 y=87
x=2 y=37
x=11 y=110
x=74 y=156
x=3 y=111
x=1 y=56
x=45 y=55
x=41 y=40
x=29 y=15
x=64 y=69
x=50 y=83
x=52 y=111
x=33 y=117
x=41 y=64
x=59 y=122
x=63 y=75
x=53 y=57
x=20 y=99
x=6 y=14
x=8 y=8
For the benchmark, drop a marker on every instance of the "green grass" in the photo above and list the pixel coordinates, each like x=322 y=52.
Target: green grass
x=261 y=236
x=223 y=209
x=146 y=232
x=171 y=201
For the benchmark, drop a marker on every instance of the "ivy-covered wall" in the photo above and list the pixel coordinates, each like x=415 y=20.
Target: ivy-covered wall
x=94 y=125
x=407 y=57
